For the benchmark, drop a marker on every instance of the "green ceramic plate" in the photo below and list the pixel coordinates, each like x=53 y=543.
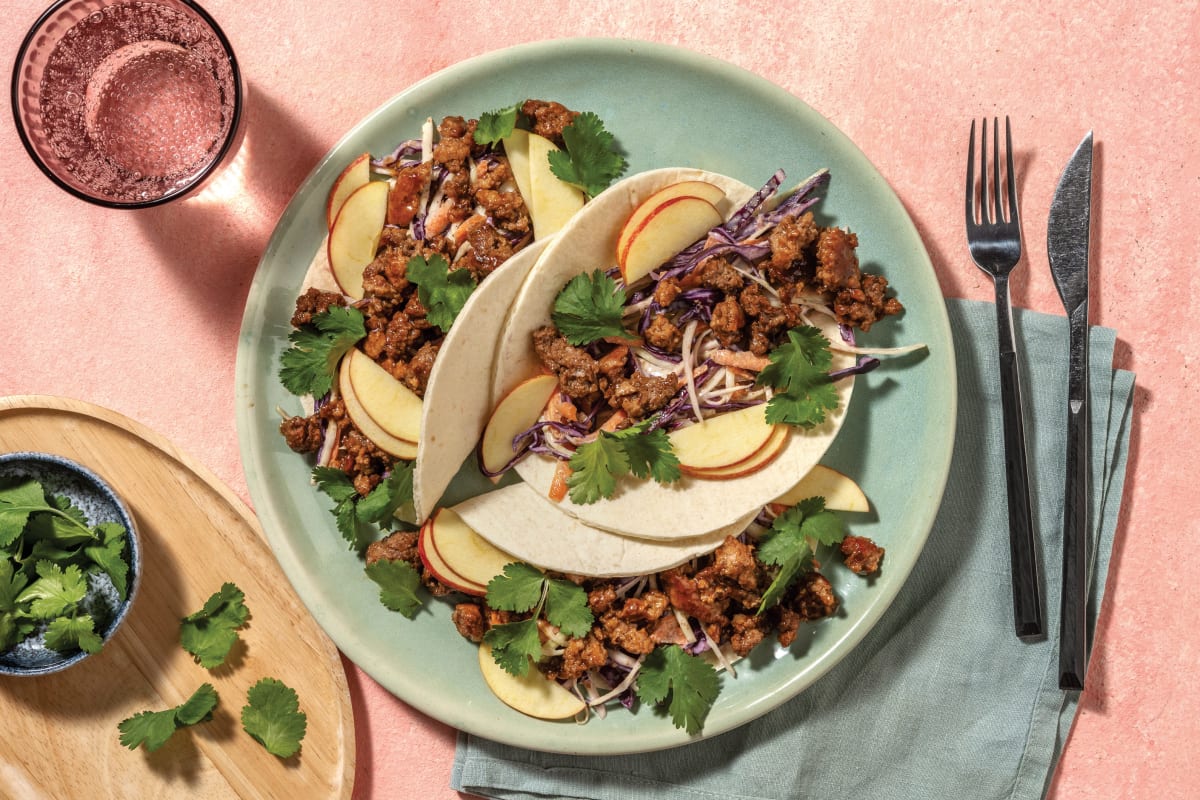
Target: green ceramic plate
x=668 y=107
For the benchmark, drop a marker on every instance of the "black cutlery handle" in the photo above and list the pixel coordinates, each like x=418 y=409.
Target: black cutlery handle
x=1028 y=605
x=1073 y=634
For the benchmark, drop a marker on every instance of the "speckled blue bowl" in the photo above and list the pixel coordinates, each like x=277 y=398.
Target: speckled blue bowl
x=99 y=503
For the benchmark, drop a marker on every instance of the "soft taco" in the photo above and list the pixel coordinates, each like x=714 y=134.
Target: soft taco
x=729 y=346
x=426 y=246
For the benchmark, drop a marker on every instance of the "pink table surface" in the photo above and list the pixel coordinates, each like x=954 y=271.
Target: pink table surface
x=140 y=311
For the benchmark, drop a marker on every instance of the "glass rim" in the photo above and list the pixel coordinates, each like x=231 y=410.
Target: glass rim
x=197 y=180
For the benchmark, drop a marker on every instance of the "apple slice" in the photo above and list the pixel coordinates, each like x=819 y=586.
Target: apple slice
x=356 y=175
x=516 y=147
x=551 y=201
x=691 y=188
x=392 y=405
x=840 y=491
x=431 y=557
x=748 y=466
x=354 y=236
x=515 y=412
x=464 y=551
x=721 y=441
x=385 y=441
x=667 y=229
x=532 y=693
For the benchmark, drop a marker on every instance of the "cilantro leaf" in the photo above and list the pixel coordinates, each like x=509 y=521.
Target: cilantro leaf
x=398 y=584
x=210 y=633
x=273 y=717
x=309 y=365
x=392 y=492
x=197 y=708
x=649 y=453
x=789 y=543
x=567 y=608
x=110 y=555
x=495 y=125
x=65 y=634
x=591 y=160
x=518 y=588
x=17 y=502
x=14 y=624
x=595 y=467
x=154 y=728
x=799 y=371
x=589 y=307
x=337 y=484
x=691 y=683
x=55 y=592
x=442 y=291
x=514 y=645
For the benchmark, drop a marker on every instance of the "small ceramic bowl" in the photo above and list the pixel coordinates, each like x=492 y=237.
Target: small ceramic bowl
x=97 y=501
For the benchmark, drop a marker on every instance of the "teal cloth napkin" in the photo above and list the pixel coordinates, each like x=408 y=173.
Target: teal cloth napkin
x=940 y=700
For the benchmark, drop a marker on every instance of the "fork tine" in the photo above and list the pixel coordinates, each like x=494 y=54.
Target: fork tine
x=1013 y=213
x=997 y=202
x=971 y=179
x=984 y=199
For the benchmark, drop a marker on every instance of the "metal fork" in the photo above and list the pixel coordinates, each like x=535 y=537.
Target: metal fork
x=995 y=244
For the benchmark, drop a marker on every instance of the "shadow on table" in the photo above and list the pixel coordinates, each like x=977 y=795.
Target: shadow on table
x=214 y=239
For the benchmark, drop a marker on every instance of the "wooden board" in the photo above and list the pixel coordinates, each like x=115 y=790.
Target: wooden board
x=58 y=733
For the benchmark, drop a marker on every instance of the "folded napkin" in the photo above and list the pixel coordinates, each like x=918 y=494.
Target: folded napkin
x=940 y=700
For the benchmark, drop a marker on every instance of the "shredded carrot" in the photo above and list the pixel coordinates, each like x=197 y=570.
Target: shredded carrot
x=612 y=423
x=740 y=359
x=561 y=409
x=558 y=484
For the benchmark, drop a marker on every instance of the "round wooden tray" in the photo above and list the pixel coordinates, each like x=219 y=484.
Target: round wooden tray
x=58 y=733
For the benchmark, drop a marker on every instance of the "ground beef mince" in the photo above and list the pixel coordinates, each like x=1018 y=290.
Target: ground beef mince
x=640 y=395
x=576 y=370
x=861 y=555
x=549 y=118
x=314 y=302
x=303 y=434
x=866 y=305
x=789 y=241
x=663 y=334
x=468 y=619
x=728 y=320
x=403 y=546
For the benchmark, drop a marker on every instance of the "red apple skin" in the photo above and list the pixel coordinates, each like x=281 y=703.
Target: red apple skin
x=747 y=466
x=427 y=548
x=330 y=211
x=671 y=204
x=689 y=188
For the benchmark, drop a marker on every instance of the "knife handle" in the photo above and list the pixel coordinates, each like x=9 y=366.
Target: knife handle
x=1073 y=633
x=1028 y=606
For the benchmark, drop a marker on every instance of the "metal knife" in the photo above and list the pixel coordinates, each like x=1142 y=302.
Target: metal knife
x=1068 y=236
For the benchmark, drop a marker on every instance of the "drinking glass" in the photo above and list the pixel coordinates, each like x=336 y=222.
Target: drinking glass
x=127 y=103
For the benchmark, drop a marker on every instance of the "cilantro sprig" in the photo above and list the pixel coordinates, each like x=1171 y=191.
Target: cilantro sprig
x=442 y=291
x=355 y=514
x=690 y=682
x=398 y=583
x=799 y=372
x=589 y=308
x=153 y=729
x=791 y=541
x=53 y=564
x=596 y=465
x=309 y=365
x=591 y=159
x=522 y=588
x=210 y=633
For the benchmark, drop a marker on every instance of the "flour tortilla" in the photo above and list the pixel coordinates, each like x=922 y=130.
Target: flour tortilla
x=517 y=521
x=457 y=402
x=690 y=507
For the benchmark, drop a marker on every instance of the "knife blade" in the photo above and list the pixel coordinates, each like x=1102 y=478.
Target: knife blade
x=1068 y=238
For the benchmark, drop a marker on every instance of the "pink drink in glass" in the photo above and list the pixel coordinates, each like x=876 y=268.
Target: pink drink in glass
x=135 y=101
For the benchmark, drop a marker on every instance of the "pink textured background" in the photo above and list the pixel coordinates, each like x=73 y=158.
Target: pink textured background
x=140 y=312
